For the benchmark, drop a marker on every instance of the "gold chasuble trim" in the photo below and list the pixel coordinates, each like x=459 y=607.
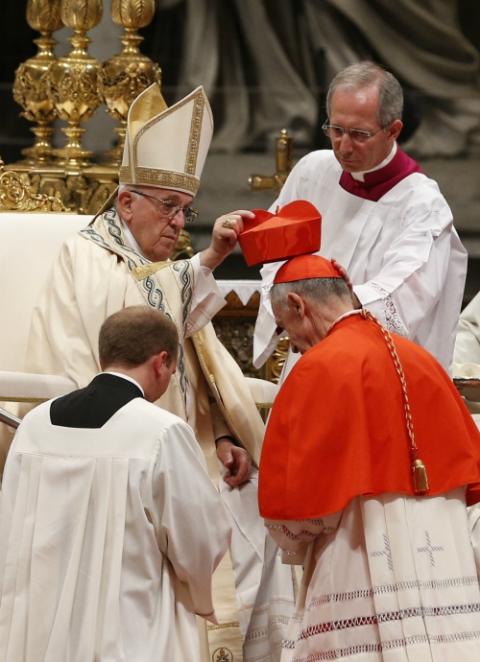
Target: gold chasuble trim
x=203 y=359
x=246 y=426
x=144 y=270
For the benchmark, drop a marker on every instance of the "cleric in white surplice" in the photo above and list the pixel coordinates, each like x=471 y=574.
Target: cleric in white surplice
x=383 y=219
x=110 y=527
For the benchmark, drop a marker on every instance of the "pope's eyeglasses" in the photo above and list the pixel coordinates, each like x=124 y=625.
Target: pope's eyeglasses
x=335 y=132
x=167 y=208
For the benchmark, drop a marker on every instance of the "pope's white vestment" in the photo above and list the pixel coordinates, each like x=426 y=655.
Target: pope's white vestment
x=401 y=252
x=98 y=273
x=108 y=540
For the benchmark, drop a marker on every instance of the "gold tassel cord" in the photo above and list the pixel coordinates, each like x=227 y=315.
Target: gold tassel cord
x=419 y=471
x=420 y=478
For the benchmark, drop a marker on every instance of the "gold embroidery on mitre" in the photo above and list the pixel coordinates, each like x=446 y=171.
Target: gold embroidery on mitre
x=195 y=132
x=159 y=118
x=145 y=270
x=161 y=178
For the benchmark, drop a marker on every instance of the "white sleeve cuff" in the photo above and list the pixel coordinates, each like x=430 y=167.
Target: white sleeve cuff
x=207 y=299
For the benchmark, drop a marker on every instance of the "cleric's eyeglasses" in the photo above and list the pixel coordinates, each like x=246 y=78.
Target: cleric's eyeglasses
x=168 y=208
x=335 y=132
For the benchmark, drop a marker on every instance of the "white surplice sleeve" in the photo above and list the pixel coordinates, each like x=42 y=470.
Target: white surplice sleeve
x=207 y=299
x=411 y=279
x=189 y=517
x=294 y=536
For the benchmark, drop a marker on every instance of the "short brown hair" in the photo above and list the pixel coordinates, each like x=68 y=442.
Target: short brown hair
x=134 y=334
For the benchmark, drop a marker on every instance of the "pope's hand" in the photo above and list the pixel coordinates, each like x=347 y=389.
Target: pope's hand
x=236 y=460
x=224 y=237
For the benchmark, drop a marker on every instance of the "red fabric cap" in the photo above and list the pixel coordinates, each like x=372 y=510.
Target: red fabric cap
x=306 y=266
x=293 y=230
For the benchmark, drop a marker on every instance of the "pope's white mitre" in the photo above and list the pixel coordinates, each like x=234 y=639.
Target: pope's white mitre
x=167 y=147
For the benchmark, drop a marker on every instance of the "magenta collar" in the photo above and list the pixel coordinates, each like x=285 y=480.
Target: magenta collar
x=379 y=182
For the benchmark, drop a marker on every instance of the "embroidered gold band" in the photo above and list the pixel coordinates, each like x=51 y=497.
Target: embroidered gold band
x=144 y=270
x=195 y=133
x=163 y=178
x=223 y=626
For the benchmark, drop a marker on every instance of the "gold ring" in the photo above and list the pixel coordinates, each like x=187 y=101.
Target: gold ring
x=229 y=223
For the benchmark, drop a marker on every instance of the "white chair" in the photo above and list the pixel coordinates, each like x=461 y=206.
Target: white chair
x=29 y=243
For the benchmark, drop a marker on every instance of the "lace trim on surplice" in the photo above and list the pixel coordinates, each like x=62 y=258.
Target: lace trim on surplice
x=391 y=318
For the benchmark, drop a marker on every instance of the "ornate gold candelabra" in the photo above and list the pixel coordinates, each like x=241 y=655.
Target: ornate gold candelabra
x=73 y=80
x=125 y=75
x=30 y=89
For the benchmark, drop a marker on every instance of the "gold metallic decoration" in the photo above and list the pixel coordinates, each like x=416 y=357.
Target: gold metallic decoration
x=73 y=80
x=234 y=326
x=195 y=132
x=163 y=178
x=229 y=223
x=283 y=164
x=82 y=192
x=419 y=477
x=31 y=79
x=222 y=654
x=276 y=361
x=101 y=181
x=18 y=194
x=145 y=270
x=183 y=248
x=125 y=75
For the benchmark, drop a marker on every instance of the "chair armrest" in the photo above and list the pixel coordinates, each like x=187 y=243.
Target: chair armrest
x=263 y=391
x=32 y=387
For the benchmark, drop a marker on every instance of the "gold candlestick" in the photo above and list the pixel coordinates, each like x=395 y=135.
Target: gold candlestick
x=283 y=163
x=73 y=80
x=126 y=74
x=30 y=88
